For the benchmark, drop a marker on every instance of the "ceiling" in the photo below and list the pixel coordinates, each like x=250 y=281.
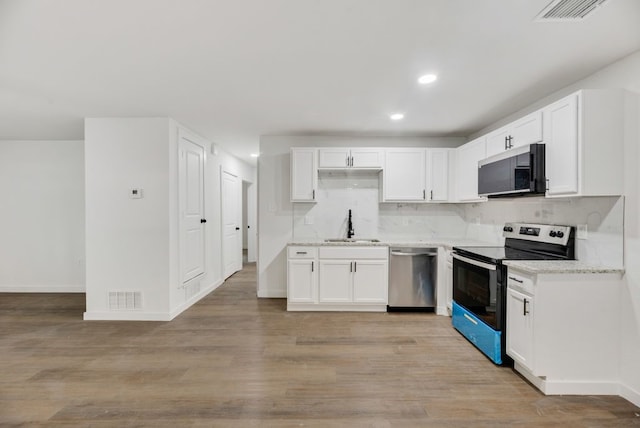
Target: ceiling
x=235 y=70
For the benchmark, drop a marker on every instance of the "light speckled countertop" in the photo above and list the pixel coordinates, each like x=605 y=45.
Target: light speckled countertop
x=560 y=266
x=448 y=243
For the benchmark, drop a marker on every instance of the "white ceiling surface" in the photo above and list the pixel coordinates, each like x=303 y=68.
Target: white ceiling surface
x=235 y=70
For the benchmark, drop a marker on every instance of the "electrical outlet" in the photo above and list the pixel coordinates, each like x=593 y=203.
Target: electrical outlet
x=136 y=193
x=582 y=231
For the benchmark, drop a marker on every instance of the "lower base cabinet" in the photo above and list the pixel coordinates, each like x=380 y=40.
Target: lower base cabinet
x=563 y=330
x=348 y=278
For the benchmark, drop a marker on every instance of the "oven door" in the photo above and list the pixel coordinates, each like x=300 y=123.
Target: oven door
x=475 y=287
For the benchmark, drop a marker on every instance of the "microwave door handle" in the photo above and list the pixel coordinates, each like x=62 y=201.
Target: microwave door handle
x=474 y=262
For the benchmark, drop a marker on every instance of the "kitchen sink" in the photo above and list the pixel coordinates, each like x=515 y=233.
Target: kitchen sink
x=363 y=240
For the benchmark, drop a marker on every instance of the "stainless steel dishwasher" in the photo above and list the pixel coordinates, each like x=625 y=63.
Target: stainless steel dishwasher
x=412 y=278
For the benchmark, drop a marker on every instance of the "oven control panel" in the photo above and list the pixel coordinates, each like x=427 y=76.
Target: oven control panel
x=538 y=232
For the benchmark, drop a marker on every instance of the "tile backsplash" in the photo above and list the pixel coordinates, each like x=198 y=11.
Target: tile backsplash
x=359 y=191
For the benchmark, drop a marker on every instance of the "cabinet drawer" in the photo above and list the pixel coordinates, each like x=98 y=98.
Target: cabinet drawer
x=517 y=281
x=302 y=252
x=354 y=252
x=481 y=335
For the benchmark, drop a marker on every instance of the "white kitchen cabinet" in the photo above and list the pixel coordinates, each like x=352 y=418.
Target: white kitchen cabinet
x=404 y=175
x=467 y=157
x=416 y=175
x=370 y=283
x=584 y=141
x=346 y=158
x=526 y=130
x=336 y=277
x=563 y=330
x=520 y=332
x=437 y=172
x=304 y=174
x=302 y=275
x=444 y=293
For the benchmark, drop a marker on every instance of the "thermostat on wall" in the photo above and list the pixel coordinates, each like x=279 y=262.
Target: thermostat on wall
x=135 y=193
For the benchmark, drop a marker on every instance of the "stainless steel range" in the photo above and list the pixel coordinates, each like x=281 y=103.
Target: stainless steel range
x=480 y=280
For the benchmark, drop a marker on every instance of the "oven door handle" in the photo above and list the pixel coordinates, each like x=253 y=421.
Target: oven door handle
x=474 y=262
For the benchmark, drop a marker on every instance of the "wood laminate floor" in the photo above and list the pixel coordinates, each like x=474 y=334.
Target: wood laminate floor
x=233 y=360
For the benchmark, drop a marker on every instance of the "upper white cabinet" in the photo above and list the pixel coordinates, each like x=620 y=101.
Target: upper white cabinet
x=416 y=175
x=527 y=130
x=467 y=157
x=404 y=176
x=343 y=158
x=304 y=175
x=584 y=141
x=438 y=174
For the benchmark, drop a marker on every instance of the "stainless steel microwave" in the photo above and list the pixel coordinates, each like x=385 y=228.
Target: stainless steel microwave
x=516 y=172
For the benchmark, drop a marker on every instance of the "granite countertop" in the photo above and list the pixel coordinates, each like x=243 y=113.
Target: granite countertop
x=448 y=243
x=560 y=266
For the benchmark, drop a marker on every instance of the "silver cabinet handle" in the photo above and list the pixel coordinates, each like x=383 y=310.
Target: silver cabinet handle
x=470 y=319
x=312 y=266
x=524 y=307
x=301 y=252
x=516 y=279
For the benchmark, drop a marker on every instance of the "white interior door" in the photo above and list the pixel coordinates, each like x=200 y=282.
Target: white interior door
x=192 y=220
x=231 y=219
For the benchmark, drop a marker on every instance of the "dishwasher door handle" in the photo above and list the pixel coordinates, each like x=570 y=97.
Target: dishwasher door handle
x=397 y=253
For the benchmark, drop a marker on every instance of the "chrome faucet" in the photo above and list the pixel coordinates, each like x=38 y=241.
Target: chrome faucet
x=350 y=231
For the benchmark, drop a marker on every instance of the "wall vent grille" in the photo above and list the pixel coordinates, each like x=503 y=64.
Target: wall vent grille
x=125 y=300
x=568 y=10
x=191 y=290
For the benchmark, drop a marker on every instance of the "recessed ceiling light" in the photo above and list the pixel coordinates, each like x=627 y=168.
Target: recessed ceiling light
x=254 y=155
x=427 y=78
x=397 y=116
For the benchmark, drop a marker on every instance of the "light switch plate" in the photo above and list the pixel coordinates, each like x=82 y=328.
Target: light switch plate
x=582 y=231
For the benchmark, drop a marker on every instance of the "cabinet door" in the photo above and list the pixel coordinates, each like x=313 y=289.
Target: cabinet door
x=366 y=158
x=561 y=145
x=404 y=177
x=527 y=130
x=333 y=158
x=370 y=281
x=301 y=285
x=467 y=157
x=335 y=281
x=497 y=141
x=520 y=327
x=438 y=174
x=304 y=175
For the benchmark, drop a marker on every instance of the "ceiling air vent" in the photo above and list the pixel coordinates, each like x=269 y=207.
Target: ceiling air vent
x=568 y=10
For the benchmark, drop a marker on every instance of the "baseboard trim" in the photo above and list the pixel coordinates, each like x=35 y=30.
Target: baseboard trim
x=551 y=387
x=336 y=307
x=630 y=394
x=272 y=294
x=42 y=289
x=186 y=305
x=126 y=316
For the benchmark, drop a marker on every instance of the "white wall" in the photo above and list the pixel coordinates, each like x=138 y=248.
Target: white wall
x=127 y=240
x=624 y=74
x=133 y=244
x=278 y=217
x=42 y=216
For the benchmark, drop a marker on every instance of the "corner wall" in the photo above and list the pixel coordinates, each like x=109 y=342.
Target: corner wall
x=42 y=216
